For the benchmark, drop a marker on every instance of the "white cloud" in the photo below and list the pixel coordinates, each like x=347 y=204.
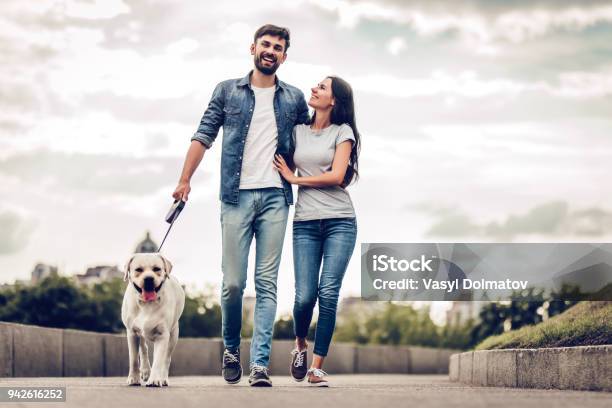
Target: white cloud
x=183 y=47
x=396 y=45
x=162 y=75
x=17 y=226
x=478 y=30
x=466 y=84
x=101 y=133
x=305 y=75
x=59 y=10
x=93 y=9
x=518 y=26
x=584 y=85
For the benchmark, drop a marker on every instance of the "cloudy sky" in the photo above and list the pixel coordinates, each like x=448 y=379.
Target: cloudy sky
x=484 y=121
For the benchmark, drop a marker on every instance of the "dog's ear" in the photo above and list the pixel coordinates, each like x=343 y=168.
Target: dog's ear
x=126 y=272
x=167 y=264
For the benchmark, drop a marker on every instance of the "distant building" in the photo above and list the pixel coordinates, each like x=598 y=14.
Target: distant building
x=42 y=271
x=147 y=245
x=99 y=274
x=462 y=311
x=92 y=275
x=103 y=273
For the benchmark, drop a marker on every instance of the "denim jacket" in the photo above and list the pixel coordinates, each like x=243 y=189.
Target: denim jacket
x=231 y=106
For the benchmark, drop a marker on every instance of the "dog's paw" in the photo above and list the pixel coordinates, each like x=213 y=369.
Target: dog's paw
x=133 y=380
x=165 y=382
x=154 y=381
x=145 y=374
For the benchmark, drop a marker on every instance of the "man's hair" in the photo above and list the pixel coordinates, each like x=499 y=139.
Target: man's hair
x=275 y=31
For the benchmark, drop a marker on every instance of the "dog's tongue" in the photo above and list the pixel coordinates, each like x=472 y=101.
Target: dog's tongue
x=149 y=296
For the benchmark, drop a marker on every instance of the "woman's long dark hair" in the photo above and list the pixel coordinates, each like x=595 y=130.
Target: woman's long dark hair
x=343 y=112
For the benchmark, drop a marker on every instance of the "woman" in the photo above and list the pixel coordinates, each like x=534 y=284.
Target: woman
x=324 y=225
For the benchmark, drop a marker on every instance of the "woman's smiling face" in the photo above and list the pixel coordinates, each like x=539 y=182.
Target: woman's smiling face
x=321 y=96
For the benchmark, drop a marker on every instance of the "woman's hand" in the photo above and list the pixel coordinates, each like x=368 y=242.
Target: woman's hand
x=283 y=169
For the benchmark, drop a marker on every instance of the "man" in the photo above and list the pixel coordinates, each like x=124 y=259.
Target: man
x=258 y=113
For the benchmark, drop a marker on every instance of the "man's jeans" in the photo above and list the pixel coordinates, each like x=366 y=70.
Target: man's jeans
x=261 y=213
x=331 y=242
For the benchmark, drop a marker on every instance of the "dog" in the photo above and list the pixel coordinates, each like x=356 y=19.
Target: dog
x=152 y=305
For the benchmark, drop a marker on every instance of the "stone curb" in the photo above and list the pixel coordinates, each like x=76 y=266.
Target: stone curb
x=565 y=368
x=33 y=351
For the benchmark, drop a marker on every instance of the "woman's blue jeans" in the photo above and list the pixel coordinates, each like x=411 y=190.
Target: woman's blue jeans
x=321 y=253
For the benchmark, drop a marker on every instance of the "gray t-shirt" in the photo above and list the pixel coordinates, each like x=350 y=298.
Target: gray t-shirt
x=314 y=154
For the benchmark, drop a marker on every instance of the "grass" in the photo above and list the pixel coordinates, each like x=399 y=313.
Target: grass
x=585 y=324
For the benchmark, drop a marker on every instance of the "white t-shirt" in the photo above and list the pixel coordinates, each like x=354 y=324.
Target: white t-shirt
x=261 y=142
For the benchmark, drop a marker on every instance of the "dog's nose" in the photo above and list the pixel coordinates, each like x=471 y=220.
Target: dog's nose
x=149 y=284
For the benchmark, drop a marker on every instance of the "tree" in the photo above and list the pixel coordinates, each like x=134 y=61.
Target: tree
x=396 y=324
x=54 y=302
x=283 y=328
x=201 y=317
x=60 y=302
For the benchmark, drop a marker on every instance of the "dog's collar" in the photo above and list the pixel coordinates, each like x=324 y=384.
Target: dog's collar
x=139 y=290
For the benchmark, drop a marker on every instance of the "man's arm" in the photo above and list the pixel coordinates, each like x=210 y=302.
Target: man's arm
x=303 y=117
x=201 y=141
x=193 y=159
x=212 y=119
x=302 y=109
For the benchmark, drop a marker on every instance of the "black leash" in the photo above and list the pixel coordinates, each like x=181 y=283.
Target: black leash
x=172 y=215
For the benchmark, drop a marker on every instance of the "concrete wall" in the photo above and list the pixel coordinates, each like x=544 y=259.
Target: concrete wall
x=32 y=351
x=575 y=368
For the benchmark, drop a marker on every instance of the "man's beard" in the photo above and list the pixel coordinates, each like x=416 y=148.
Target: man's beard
x=263 y=69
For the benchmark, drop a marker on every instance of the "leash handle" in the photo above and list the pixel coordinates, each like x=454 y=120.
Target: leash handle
x=174 y=211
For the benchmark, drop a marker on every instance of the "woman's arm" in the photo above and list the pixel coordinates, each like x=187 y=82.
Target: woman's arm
x=334 y=177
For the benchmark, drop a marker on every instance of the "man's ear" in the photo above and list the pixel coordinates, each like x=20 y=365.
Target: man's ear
x=253 y=49
x=126 y=272
x=167 y=265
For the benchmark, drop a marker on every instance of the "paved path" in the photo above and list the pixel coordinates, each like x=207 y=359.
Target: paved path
x=388 y=391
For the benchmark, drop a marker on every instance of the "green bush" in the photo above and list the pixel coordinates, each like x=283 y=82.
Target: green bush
x=400 y=324
x=60 y=302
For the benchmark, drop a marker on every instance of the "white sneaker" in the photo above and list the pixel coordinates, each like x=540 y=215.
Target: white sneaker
x=317 y=378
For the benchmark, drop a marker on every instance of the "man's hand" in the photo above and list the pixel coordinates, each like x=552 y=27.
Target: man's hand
x=182 y=191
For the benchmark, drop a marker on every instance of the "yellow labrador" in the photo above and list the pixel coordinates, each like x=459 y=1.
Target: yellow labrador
x=152 y=305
